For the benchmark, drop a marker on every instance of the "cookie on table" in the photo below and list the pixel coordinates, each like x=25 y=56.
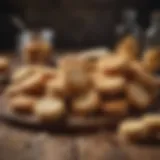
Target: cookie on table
x=22 y=73
x=128 y=47
x=57 y=86
x=132 y=130
x=91 y=56
x=4 y=64
x=139 y=74
x=151 y=60
x=116 y=107
x=138 y=96
x=22 y=103
x=112 y=64
x=86 y=103
x=34 y=85
x=109 y=84
x=49 y=109
x=152 y=123
x=4 y=69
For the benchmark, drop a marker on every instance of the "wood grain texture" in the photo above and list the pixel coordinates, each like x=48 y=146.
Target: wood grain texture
x=17 y=144
x=58 y=148
x=93 y=147
x=24 y=144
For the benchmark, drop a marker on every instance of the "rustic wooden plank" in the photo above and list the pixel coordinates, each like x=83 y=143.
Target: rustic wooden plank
x=57 y=148
x=28 y=145
x=99 y=146
x=146 y=152
x=19 y=145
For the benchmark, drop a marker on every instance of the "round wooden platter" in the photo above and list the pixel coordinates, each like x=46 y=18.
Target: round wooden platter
x=70 y=122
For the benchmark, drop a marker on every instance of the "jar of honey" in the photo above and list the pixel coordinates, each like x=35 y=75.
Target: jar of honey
x=36 y=47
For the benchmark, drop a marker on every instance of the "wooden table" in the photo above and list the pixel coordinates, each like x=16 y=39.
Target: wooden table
x=25 y=144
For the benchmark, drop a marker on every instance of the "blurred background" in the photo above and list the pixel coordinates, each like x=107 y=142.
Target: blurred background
x=78 y=23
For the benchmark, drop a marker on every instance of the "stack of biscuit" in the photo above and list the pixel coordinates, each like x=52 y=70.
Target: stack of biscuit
x=140 y=129
x=104 y=84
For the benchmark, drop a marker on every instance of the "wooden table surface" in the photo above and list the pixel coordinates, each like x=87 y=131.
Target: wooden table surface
x=25 y=144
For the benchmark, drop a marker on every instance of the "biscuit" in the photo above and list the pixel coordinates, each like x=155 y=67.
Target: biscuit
x=22 y=103
x=56 y=86
x=49 y=109
x=117 y=107
x=4 y=64
x=138 y=96
x=86 y=103
x=109 y=84
x=152 y=123
x=22 y=73
x=132 y=130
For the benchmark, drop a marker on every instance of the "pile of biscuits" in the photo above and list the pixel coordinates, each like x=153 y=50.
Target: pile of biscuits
x=146 y=127
x=105 y=83
x=4 y=69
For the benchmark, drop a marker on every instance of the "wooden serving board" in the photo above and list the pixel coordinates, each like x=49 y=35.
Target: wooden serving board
x=69 y=122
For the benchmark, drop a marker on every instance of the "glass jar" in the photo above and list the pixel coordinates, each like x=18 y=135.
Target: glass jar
x=153 y=32
x=129 y=26
x=35 y=46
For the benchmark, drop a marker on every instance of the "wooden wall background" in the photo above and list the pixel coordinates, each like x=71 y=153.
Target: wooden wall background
x=80 y=22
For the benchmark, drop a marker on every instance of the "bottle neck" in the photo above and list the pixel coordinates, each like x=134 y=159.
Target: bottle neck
x=156 y=23
x=129 y=17
x=130 y=22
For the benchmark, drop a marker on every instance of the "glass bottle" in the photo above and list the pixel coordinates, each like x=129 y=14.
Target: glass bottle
x=153 y=32
x=129 y=26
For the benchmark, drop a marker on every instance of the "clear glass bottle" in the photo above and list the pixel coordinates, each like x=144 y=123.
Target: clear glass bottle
x=129 y=26
x=153 y=32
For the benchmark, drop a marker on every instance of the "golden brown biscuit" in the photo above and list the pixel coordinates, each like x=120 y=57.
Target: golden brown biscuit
x=146 y=79
x=128 y=47
x=65 y=62
x=151 y=60
x=117 y=107
x=56 y=86
x=152 y=123
x=132 y=130
x=112 y=64
x=12 y=90
x=49 y=109
x=22 y=73
x=22 y=103
x=86 y=103
x=109 y=84
x=34 y=84
x=48 y=72
x=94 y=53
x=92 y=56
x=77 y=82
x=138 y=96
x=30 y=79
x=76 y=75
x=4 y=64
